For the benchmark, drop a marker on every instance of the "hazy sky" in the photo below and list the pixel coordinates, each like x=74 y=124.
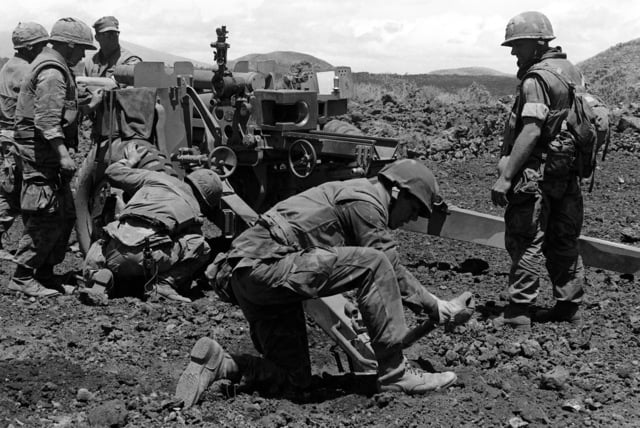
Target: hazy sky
x=401 y=36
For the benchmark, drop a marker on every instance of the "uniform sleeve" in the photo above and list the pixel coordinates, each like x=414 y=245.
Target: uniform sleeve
x=129 y=179
x=49 y=103
x=369 y=228
x=535 y=101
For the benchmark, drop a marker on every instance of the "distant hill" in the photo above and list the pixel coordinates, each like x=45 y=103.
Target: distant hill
x=498 y=86
x=613 y=74
x=149 y=54
x=470 y=71
x=283 y=61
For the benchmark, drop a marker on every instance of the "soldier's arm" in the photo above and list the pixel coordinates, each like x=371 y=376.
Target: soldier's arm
x=369 y=228
x=534 y=112
x=123 y=176
x=49 y=103
x=49 y=107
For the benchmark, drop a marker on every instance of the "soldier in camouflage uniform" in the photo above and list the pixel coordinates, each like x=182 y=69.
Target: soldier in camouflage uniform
x=110 y=54
x=29 y=38
x=327 y=240
x=157 y=240
x=538 y=183
x=45 y=128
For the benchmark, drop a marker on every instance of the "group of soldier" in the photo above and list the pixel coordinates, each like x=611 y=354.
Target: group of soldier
x=326 y=240
x=39 y=115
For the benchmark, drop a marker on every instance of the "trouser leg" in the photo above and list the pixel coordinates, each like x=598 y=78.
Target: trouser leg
x=46 y=235
x=561 y=247
x=282 y=341
x=525 y=224
x=267 y=287
x=190 y=255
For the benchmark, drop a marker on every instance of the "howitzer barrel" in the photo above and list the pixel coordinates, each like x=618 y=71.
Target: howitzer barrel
x=202 y=80
x=124 y=74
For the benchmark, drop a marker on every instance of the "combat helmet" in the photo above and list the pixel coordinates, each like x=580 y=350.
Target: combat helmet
x=414 y=177
x=71 y=30
x=207 y=184
x=28 y=34
x=528 y=25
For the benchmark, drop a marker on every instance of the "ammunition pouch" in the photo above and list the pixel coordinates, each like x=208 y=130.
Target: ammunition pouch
x=10 y=177
x=527 y=185
x=561 y=158
x=39 y=196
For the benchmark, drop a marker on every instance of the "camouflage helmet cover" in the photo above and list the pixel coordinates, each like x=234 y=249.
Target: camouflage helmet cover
x=207 y=184
x=28 y=34
x=414 y=177
x=528 y=25
x=71 y=30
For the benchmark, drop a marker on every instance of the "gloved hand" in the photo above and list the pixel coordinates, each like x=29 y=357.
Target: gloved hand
x=456 y=311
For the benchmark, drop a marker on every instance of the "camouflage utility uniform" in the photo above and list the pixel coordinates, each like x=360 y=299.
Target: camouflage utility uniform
x=46 y=111
x=163 y=218
x=544 y=214
x=11 y=78
x=324 y=241
x=100 y=66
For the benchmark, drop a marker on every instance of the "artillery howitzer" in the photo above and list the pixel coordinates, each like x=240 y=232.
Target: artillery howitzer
x=266 y=144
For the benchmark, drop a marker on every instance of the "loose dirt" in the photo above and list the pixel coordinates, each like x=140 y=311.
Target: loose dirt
x=64 y=364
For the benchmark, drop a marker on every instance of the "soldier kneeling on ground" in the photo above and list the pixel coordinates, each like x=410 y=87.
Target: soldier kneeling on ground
x=327 y=240
x=157 y=241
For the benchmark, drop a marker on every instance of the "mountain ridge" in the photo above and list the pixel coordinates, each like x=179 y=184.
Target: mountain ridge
x=611 y=74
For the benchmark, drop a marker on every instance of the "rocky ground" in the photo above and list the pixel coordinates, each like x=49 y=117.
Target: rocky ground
x=64 y=364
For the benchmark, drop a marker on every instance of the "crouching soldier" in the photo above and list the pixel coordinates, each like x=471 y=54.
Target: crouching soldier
x=327 y=240
x=157 y=240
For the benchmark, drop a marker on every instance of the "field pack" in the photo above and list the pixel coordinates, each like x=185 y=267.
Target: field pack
x=579 y=132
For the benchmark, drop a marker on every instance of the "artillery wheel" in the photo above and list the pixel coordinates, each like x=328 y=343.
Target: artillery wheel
x=95 y=204
x=223 y=161
x=302 y=158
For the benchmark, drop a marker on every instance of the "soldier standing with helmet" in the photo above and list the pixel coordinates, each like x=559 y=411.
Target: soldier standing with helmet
x=538 y=183
x=45 y=128
x=327 y=240
x=29 y=38
x=110 y=54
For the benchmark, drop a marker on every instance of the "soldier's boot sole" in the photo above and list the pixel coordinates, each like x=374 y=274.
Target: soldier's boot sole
x=197 y=377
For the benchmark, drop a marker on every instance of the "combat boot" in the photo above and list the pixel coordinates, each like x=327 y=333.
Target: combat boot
x=561 y=312
x=97 y=288
x=164 y=289
x=209 y=363
x=456 y=311
x=31 y=287
x=516 y=316
x=414 y=381
x=45 y=276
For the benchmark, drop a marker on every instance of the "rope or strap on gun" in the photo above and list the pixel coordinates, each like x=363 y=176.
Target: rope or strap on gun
x=149 y=266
